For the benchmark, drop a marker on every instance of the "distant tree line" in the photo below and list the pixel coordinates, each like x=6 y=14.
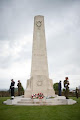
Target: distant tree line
x=7 y=93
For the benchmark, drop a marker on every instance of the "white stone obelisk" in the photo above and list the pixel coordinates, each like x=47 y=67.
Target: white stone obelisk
x=39 y=81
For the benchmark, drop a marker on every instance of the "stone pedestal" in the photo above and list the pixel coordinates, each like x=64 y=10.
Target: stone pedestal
x=58 y=100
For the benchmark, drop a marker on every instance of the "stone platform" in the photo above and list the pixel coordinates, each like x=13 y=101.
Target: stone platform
x=58 y=100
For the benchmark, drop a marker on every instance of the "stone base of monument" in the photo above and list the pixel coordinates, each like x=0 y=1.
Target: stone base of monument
x=58 y=100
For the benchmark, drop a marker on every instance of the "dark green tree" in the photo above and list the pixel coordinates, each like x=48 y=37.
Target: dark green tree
x=55 y=86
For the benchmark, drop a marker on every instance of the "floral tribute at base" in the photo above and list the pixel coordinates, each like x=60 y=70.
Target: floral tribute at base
x=39 y=95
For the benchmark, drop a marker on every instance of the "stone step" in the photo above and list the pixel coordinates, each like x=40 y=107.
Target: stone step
x=28 y=104
x=42 y=103
x=38 y=104
x=26 y=99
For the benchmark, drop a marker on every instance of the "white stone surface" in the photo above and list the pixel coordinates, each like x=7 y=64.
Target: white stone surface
x=59 y=100
x=39 y=81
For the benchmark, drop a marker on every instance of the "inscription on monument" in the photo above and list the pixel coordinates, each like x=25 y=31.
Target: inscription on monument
x=39 y=82
x=39 y=54
x=38 y=23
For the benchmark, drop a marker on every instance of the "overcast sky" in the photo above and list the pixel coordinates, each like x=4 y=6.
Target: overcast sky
x=62 y=29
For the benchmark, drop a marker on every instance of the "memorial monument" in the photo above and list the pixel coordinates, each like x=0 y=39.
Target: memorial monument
x=39 y=81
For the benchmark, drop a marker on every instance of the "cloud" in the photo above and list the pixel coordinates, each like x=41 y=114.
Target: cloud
x=63 y=41
x=18 y=50
x=62 y=29
x=18 y=71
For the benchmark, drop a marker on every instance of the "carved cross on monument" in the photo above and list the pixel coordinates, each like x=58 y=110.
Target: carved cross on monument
x=39 y=81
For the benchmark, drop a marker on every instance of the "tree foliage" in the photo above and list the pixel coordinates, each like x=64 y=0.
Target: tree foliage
x=55 y=86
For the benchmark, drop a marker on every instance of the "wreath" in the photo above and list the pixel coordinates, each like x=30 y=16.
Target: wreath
x=39 y=95
x=34 y=96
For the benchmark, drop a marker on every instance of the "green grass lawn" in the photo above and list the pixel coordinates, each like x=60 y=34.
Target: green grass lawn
x=60 y=112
